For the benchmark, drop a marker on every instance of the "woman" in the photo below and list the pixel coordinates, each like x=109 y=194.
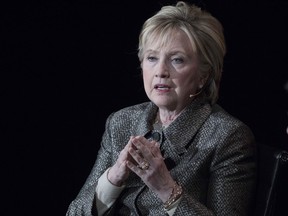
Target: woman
x=180 y=153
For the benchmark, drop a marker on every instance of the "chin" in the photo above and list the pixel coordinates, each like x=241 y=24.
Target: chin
x=162 y=102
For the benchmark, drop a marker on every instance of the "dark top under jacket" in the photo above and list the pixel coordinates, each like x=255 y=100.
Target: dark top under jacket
x=209 y=152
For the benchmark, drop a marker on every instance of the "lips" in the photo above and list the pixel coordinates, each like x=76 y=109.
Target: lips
x=162 y=87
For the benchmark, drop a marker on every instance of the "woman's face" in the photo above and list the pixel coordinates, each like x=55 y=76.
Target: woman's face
x=170 y=72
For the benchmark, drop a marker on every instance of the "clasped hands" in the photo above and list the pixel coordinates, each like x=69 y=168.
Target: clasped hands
x=144 y=158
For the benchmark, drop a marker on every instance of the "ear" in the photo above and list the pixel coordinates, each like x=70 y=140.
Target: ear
x=203 y=81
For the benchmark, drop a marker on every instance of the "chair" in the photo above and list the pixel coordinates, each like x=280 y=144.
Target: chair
x=272 y=188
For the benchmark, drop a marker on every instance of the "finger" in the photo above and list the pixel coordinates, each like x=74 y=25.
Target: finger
x=125 y=155
x=142 y=139
x=136 y=155
x=132 y=167
x=136 y=169
x=142 y=144
x=156 y=144
x=155 y=149
x=149 y=149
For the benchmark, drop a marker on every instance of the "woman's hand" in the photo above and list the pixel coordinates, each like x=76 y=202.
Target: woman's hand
x=119 y=172
x=155 y=175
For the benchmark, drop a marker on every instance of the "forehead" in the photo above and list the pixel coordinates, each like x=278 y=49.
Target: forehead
x=169 y=37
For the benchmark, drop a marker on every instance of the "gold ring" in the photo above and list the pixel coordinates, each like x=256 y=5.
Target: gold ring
x=144 y=165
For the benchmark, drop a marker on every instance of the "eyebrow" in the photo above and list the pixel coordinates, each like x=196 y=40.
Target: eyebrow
x=173 y=52
x=150 y=50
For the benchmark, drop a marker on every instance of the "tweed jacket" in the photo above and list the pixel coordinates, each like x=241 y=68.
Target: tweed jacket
x=209 y=152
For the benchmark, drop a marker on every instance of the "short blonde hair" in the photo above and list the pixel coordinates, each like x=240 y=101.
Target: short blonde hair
x=205 y=33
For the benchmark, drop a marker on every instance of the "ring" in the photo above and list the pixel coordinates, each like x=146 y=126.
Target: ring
x=144 y=165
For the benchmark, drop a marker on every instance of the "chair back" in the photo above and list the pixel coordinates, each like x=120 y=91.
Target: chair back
x=272 y=187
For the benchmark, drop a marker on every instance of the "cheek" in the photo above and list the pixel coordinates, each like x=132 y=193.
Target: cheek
x=191 y=83
x=147 y=75
x=146 y=79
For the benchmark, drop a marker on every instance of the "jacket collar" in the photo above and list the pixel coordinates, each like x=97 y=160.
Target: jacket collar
x=146 y=119
x=190 y=120
x=182 y=130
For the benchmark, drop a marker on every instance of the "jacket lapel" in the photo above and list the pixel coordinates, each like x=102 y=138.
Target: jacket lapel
x=190 y=122
x=146 y=119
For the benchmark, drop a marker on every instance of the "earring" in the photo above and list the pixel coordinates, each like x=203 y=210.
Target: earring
x=193 y=95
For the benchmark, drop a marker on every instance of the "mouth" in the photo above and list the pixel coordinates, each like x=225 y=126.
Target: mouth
x=161 y=87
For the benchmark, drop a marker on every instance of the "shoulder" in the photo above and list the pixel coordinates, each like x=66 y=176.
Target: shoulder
x=226 y=123
x=221 y=116
x=234 y=139
x=130 y=112
x=134 y=109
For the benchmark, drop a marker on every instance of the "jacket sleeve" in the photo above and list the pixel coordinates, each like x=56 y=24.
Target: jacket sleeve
x=84 y=204
x=232 y=178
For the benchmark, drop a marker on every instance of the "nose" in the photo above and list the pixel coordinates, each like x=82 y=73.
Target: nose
x=162 y=70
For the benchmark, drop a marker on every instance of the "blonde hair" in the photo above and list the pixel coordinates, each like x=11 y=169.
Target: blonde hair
x=205 y=33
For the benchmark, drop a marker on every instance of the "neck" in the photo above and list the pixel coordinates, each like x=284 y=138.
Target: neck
x=165 y=119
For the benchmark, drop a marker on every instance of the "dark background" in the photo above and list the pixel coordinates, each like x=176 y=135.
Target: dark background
x=66 y=65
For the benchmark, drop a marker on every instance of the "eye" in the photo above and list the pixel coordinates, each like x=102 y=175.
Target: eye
x=151 y=58
x=177 y=60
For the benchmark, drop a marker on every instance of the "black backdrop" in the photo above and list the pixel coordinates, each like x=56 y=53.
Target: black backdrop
x=66 y=65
